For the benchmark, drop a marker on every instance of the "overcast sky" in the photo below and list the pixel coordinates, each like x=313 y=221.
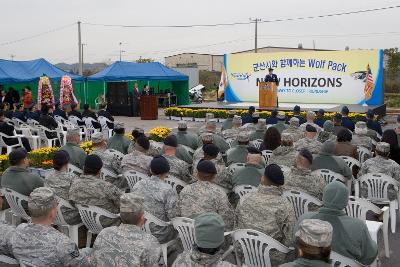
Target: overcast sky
x=24 y=18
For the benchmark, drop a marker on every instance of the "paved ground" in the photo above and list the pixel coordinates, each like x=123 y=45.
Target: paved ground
x=394 y=239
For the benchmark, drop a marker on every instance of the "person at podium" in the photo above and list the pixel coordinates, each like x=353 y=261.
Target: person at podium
x=271 y=77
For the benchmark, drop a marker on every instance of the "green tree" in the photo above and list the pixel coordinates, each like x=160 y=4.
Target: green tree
x=393 y=62
x=144 y=60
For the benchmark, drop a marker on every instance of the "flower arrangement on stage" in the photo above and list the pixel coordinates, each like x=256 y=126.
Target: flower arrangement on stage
x=66 y=91
x=159 y=133
x=45 y=92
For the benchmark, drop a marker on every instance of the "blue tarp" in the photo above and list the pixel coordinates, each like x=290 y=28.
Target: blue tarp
x=30 y=71
x=128 y=71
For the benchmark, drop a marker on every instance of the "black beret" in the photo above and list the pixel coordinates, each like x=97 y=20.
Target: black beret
x=17 y=155
x=211 y=150
x=305 y=153
x=274 y=173
x=345 y=110
x=270 y=69
x=159 y=165
x=171 y=141
x=338 y=116
x=143 y=141
x=310 y=129
x=206 y=166
x=296 y=108
x=60 y=158
x=321 y=111
x=253 y=150
x=274 y=113
x=93 y=163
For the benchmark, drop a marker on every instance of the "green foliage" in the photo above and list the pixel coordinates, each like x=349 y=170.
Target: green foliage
x=393 y=61
x=144 y=60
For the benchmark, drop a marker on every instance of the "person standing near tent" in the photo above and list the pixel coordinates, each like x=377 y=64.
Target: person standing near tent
x=45 y=93
x=135 y=100
x=67 y=96
x=27 y=97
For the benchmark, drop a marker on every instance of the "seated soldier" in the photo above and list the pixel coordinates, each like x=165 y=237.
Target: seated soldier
x=285 y=154
x=136 y=132
x=301 y=178
x=360 y=136
x=90 y=189
x=211 y=127
x=320 y=120
x=204 y=196
x=258 y=133
x=251 y=126
x=253 y=170
x=227 y=124
x=268 y=211
x=327 y=132
x=76 y=154
x=207 y=128
x=119 y=141
x=294 y=129
x=233 y=132
x=313 y=244
x=138 y=160
x=38 y=243
x=6 y=232
x=350 y=236
x=238 y=154
x=309 y=141
x=127 y=244
x=178 y=167
x=281 y=125
x=209 y=238
x=186 y=138
x=206 y=138
x=159 y=198
x=310 y=121
x=344 y=146
x=59 y=180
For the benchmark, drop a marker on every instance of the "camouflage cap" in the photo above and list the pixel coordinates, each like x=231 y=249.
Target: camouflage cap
x=209 y=116
x=232 y=112
x=315 y=233
x=286 y=137
x=209 y=230
x=294 y=121
x=243 y=137
x=281 y=115
x=182 y=125
x=73 y=131
x=261 y=123
x=97 y=137
x=43 y=198
x=255 y=115
x=119 y=125
x=131 y=202
x=361 y=128
x=361 y=125
x=383 y=147
x=211 y=122
x=207 y=137
x=310 y=113
x=237 y=119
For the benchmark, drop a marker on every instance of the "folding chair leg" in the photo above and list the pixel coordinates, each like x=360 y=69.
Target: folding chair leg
x=88 y=239
x=73 y=233
x=392 y=212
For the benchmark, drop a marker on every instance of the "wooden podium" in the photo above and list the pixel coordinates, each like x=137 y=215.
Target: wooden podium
x=148 y=107
x=268 y=95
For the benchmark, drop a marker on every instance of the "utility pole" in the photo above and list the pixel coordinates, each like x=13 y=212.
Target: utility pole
x=80 y=49
x=12 y=57
x=82 y=45
x=256 y=20
x=120 y=51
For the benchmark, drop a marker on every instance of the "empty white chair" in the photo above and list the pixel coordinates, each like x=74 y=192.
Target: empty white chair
x=185 y=228
x=132 y=177
x=235 y=166
x=34 y=140
x=177 y=184
x=342 y=261
x=351 y=162
x=49 y=142
x=300 y=201
x=104 y=126
x=363 y=154
x=358 y=208
x=377 y=185
x=242 y=190
x=266 y=155
x=32 y=122
x=9 y=147
x=151 y=219
x=60 y=119
x=60 y=221
x=72 y=168
x=89 y=125
x=256 y=247
x=6 y=260
x=14 y=199
x=90 y=216
x=75 y=120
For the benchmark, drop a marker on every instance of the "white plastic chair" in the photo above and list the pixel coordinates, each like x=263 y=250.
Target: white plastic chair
x=358 y=208
x=60 y=119
x=32 y=122
x=257 y=143
x=235 y=166
x=89 y=125
x=72 y=168
x=266 y=155
x=243 y=190
x=300 y=201
x=104 y=126
x=49 y=142
x=104 y=172
x=151 y=219
x=132 y=177
x=8 y=260
x=116 y=154
x=185 y=228
x=77 y=122
x=351 y=162
x=14 y=199
x=256 y=247
x=363 y=154
x=377 y=185
x=18 y=123
x=175 y=182
x=34 y=140
x=60 y=221
x=11 y=147
x=329 y=176
x=342 y=261
x=90 y=216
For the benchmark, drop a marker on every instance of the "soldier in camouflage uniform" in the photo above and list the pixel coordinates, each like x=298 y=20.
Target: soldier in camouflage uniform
x=310 y=121
x=89 y=189
x=207 y=138
x=6 y=232
x=227 y=124
x=232 y=132
x=185 y=138
x=285 y=154
x=127 y=244
x=159 y=198
x=259 y=132
x=381 y=164
x=38 y=243
x=310 y=141
x=313 y=239
x=76 y=154
x=253 y=170
x=327 y=132
x=294 y=129
x=217 y=139
x=205 y=128
x=281 y=125
x=119 y=141
x=238 y=154
x=223 y=177
x=209 y=237
x=301 y=178
x=360 y=137
x=136 y=132
x=204 y=196
x=252 y=126
x=268 y=211
x=178 y=167
x=60 y=180
x=138 y=160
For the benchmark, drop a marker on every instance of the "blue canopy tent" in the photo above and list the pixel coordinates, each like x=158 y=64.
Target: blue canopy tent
x=154 y=71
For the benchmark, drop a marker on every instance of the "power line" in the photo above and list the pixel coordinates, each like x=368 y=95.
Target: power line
x=37 y=35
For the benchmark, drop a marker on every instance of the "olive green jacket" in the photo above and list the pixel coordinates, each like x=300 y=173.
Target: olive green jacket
x=76 y=154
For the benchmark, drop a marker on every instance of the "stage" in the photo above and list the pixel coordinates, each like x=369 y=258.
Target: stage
x=378 y=109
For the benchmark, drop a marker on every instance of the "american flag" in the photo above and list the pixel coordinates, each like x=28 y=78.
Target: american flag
x=369 y=84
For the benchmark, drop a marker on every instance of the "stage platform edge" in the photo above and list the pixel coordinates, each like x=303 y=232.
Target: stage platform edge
x=377 y=109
